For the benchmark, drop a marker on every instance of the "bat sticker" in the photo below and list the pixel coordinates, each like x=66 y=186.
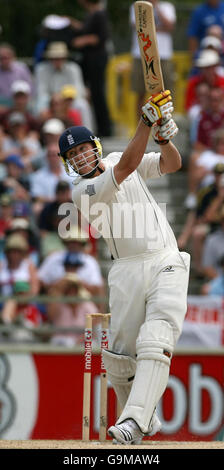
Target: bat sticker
x=149 y=61
x=147 y=45
x=146 y=33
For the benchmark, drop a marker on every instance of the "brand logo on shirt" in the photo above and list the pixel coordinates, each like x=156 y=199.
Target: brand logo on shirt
x=90 y=190
x=168 y=269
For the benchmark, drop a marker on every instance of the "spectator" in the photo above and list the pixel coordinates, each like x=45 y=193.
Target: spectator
x=202 y=164
x=10 y=71
x=53 y=28
x=211 y=119
x=54 y=109
x=54 y=73
x=91 y=39
x=25 y=314
x=70 y=112
x=216 y=44
x=49 y=134
x=203 y=16
x=207 y=63
x=44 y=180
x=210 y=43
x=70 y=314
x=195 y=111
x=213 y=250
x=216 y=31
x=24 y=228
x=52 y=268
x=204 y=219
x=165 y=20
x=16 y=181
x=50 y=131
x=20 y=141
x=216 y=286
x=16 y=266
x=62 y=107
x=21 y=93
x=49 y=218
x=6 y=214
x=213 y=211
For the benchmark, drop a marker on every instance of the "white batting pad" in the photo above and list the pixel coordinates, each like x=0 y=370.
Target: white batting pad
x=154 y=348
x=120 y=371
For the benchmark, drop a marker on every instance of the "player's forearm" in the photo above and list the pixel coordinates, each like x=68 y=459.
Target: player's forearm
x=133 y=154
x=170 y=160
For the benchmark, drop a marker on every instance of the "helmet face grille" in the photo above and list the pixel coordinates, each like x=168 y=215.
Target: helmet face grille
x=83 y=163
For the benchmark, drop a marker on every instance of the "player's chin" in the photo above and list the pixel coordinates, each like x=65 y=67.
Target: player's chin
x=85 y=170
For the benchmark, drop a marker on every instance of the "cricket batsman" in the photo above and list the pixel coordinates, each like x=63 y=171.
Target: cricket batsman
x=148 y=280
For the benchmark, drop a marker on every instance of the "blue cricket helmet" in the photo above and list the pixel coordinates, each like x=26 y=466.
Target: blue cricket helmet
x=73 y=136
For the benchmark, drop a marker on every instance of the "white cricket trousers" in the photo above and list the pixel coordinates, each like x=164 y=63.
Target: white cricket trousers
x=145 y=287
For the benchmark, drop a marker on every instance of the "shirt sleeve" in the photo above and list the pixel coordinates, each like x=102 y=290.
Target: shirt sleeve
x=149 y=166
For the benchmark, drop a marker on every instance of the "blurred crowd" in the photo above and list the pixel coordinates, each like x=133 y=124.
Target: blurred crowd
x=203 y=232
x=37 y=102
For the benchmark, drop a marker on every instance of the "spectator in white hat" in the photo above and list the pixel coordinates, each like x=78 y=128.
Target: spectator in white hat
x=55 y=72
x=209 y=42
x=207 y=63
x=51 y=130
x=49 y=134
x=21 y=96
x=53 y=28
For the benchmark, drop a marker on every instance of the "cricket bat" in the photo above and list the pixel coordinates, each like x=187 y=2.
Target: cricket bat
x=146 y=32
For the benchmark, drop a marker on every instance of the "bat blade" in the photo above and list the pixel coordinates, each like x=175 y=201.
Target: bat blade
x=146 y=32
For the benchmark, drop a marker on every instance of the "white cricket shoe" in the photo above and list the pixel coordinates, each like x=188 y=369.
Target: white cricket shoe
x=127 y=432
x=154 y=428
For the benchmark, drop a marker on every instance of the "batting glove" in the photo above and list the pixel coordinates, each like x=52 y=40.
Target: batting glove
x=164 y=132
x=158 y=107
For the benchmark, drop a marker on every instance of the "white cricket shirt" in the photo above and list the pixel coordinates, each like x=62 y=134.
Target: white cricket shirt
x=126 y=215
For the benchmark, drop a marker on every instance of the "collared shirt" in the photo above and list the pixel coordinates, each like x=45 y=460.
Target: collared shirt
x=43 y=182
x=126 y=215
x=48 y=81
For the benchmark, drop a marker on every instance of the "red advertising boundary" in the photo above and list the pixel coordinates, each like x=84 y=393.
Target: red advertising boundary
x=191 y=407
